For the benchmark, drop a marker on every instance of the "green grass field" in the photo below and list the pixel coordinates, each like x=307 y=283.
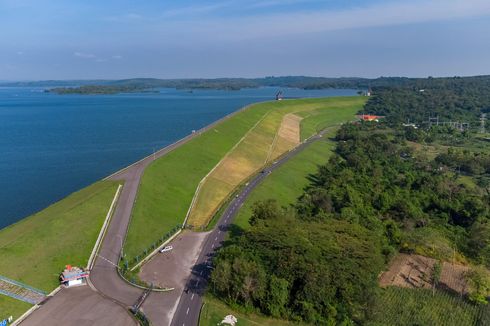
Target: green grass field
x=12 y=307
x=168 y=185
x=399 y=306
x=36 y=249
x=214 y=311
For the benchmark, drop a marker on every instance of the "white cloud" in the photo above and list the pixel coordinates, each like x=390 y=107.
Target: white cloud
x=85 y=55
x=117 y=57
x=20 y=53
x=386 y=14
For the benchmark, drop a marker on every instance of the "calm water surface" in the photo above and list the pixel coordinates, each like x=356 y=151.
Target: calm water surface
x=52 y=145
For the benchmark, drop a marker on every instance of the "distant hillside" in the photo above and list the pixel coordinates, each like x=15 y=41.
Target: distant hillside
x=303 y=82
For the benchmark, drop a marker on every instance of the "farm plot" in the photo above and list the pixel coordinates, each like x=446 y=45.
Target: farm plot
x=415 y=271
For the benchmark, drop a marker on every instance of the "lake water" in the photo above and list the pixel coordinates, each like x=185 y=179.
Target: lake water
x=52 y=145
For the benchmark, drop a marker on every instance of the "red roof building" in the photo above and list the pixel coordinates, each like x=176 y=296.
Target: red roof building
x=369 y=117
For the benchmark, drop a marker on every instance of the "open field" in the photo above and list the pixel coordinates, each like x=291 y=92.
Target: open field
x=12 y=307
x=36 y=249
x=277 y=133
x=401 y=306
x=214 y=311
x=169 y=184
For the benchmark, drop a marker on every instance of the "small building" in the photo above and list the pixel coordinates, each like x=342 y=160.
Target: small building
x=73 y=276
x=369 y=117
x=279 y=96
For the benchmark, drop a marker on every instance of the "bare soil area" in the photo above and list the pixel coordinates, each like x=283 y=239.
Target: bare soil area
x=414 y=271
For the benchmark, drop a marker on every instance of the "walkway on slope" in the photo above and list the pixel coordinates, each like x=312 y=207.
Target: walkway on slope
x=19 y=291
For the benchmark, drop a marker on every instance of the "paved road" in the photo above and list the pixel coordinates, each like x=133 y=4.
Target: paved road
x=104 y=275
x=80 y=306
x=190 y=303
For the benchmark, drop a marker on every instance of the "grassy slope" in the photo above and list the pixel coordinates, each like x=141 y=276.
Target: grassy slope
x=12 y=307
x=35 y=250
x=291 y=178
x=251 y=154
x=214 y=311
x=168 y=185
x=399 y=306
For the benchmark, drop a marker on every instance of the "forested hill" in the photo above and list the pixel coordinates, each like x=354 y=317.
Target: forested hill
x=304 y=82
x=450 y=99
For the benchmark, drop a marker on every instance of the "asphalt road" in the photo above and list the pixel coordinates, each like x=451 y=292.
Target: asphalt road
x=188 y=309
x=104 y=275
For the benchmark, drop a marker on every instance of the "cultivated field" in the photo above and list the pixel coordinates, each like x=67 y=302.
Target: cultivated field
x=402 y=306
x=169 y=184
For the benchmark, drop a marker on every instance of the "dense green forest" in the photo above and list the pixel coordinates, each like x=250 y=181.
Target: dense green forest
x=318 y=261
x=448 y=99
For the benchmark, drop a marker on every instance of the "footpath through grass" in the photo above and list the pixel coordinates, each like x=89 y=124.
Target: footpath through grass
x=214 y=311
x=36 y=249
x=168 y=184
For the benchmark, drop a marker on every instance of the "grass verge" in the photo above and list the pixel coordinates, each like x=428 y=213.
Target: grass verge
x=214 y=311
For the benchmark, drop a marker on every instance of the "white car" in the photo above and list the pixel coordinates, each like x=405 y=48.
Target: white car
x=167 y=248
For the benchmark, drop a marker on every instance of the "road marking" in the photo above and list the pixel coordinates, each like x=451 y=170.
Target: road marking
x=192 y=297
x=219 y=231
x=197 y=283
x=212 y=246
x=187 y=312
x=200 y=273
x=215 y=238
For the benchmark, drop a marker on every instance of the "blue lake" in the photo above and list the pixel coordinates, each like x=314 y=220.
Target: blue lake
x=52 y=145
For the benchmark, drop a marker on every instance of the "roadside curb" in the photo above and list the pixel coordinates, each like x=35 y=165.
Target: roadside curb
x=103 y=230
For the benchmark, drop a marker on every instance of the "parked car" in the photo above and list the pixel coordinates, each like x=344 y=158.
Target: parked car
x=167 y=248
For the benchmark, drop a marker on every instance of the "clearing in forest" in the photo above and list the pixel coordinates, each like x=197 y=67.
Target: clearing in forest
x=415 y=271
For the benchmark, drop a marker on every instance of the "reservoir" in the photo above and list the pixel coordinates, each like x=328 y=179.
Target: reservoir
x=52 y=145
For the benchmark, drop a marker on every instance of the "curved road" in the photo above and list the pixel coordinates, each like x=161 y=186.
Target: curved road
x=189 y=307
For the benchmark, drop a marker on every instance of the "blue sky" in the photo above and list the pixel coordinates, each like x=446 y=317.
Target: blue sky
x=66 y=39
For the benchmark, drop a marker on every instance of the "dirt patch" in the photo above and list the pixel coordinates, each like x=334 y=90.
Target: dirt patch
x=290 y=128
x=415 y=271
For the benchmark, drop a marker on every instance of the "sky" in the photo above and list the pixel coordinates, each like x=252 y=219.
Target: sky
x=115 y=39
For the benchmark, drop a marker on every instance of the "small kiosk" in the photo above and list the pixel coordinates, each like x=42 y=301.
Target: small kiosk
x=73 y=276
